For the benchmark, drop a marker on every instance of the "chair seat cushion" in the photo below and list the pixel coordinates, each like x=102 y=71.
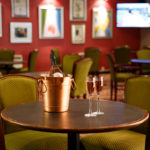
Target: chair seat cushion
x=115 y=140
x=35 y=140
x=121 y=77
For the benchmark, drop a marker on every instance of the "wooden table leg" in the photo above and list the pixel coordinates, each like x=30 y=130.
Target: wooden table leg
x=73 y=141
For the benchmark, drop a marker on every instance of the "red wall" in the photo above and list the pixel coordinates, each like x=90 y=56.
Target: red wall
x=121 y=36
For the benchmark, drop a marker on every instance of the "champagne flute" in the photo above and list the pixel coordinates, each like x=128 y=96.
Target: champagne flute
x=90 y=91
x=98 y=86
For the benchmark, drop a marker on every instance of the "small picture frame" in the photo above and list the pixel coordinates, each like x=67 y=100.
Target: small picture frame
x=21 y=32
x=51 y=22
x=78 y=10
x=1 y=20
x=78 y=33
x=20 y=8
x=102 y=23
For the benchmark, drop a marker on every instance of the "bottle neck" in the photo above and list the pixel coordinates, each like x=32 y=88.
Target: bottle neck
x=53 y=59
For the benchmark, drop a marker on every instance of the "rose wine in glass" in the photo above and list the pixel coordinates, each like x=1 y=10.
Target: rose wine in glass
x=90 y=91
x=98 y=87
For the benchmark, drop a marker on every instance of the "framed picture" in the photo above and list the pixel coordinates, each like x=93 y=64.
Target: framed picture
x=0 y=20
x=102 y=23
x=78 y=10
x=21 y=32
x=78 y=33
x=51 y=22
x=20 y=8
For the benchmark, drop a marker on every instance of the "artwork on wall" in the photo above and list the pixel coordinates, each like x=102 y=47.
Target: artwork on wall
x=78 y=10
x=21 y=32
x=78 y=33
x=51 y=22
x=102 y=23
x=0 y=20
x=20 y=8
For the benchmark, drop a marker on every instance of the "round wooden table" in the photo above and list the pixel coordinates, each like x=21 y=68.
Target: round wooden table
x=117 y=115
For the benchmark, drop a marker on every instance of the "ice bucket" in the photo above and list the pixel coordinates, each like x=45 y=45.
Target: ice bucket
x=56 y=93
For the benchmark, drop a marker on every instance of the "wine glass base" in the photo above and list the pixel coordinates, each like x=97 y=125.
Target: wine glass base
x=98 y=113
x=90 y=115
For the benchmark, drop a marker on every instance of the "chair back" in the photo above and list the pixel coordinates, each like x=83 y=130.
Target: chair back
x=57 y=55
x=68 y=62
x=144 y=54
x=17 y=89
x=121 y=55
x=93 y=53
x=32 y=61
x=6 y=55
x=137 y=93
x=111 y=66
x=80 y=72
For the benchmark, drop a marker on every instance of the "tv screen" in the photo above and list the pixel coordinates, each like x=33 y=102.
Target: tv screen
x=133 y=15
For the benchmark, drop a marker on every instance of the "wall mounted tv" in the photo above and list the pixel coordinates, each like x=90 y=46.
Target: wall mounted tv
x=133 y=15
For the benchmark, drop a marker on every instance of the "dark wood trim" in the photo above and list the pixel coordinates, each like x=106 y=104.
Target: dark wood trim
x=2 y=141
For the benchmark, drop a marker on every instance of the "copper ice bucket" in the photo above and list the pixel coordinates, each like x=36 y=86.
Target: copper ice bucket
x=56 y=93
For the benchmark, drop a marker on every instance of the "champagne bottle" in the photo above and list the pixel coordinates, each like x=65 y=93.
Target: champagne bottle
x=54 y=70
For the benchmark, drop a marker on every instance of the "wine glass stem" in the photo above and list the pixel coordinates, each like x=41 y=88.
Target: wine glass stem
x=98 y=103
x=90 y=104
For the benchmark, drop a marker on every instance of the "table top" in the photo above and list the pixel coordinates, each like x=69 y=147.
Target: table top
x=144 y=61
x=117 y=115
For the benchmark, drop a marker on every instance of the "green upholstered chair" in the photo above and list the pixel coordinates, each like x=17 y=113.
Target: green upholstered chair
x=16 y=89
x=144 y=54
x=31 y=64
x=68 y=62
x=6 y=55
x=57 y=56
x=116 y=77
x=80 y=72
x=122 y=55
x=93 y=53
x=136 y=93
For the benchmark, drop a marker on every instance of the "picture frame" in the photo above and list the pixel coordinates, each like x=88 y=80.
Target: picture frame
x=102 y=23
x=1 y=20
x=78 y=33
x=21 y=32
x=78 y=10
x=51 y=28
x=20 y=8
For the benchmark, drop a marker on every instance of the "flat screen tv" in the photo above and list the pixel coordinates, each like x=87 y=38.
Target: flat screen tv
x=133 y=15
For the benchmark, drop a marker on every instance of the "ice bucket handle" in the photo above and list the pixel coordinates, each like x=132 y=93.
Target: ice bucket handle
x=73 y=86
x=40 y=84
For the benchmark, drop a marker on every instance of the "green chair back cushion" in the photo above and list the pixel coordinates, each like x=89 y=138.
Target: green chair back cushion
x=137 y=93
x=144 y=54
x=80 y=72
x=6 y=55
x=93 y=53
x=32 y=61
x=122 y=54
x=111 y=66
x=15 y=90
x=68 y=62
x=35 y=140
x=115 y=140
